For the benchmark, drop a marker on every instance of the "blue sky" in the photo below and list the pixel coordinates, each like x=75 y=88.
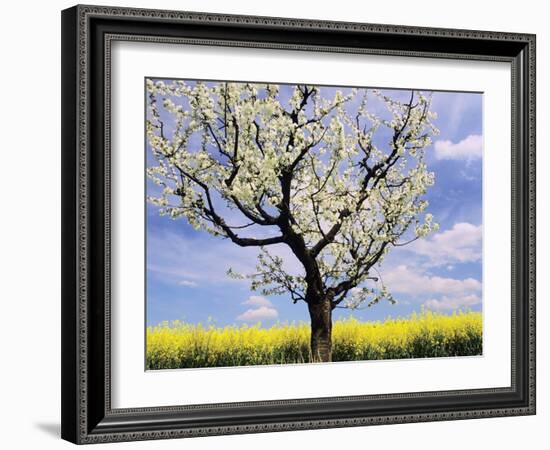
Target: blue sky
x=186 y=269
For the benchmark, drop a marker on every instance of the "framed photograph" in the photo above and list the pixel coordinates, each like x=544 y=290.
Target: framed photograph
x=280 y=224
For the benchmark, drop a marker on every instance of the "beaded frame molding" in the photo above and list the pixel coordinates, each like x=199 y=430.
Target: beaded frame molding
x=87 y=35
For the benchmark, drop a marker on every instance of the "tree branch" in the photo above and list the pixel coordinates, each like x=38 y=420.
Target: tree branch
x=220 y=222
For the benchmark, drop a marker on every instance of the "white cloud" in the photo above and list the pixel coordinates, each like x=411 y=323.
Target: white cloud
x=188 y=283
x=404 y=280
x=262 y=309
x=450 y=303
x=257 y=300
x=203 y=259
x=442 y=293
x=467 y=176
x=460 y=244
x=468 y=149
x=258 y=314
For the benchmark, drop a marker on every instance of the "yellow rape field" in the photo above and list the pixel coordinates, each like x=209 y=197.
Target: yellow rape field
x=427 y=334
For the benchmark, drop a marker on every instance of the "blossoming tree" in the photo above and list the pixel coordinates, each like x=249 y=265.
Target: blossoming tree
x=322 y=174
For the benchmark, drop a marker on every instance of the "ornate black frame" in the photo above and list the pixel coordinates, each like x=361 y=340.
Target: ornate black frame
x=87 y=32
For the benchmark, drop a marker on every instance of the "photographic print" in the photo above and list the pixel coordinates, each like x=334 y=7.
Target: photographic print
x=303 y=223
x=337 y=205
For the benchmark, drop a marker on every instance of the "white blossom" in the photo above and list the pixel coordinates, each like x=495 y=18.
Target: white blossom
x=315 y=172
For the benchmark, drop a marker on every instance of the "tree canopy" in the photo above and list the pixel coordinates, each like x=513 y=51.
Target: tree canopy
x=337 y=175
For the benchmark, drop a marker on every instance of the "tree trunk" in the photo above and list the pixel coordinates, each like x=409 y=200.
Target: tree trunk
x=320 y=313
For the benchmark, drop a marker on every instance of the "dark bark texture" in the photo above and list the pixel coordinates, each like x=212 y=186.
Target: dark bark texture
x=320 y=313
